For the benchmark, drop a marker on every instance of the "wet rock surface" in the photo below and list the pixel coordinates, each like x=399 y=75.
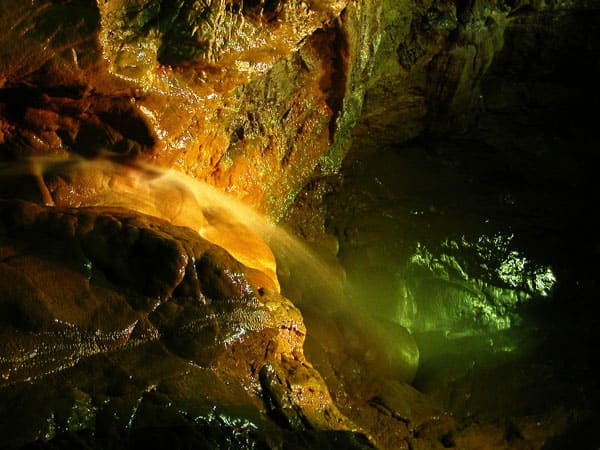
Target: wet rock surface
x=478 y=239
x=120 y=326
x=256 y=98
x=481 y=243
x=463 y=224
x=509 y=365
x=244 y=95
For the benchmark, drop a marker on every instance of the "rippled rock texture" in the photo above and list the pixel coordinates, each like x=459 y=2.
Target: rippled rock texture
x=116 y=324
x=203 y=300
x=123 y=329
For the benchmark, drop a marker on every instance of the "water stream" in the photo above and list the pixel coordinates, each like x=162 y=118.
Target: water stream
x=317 y=287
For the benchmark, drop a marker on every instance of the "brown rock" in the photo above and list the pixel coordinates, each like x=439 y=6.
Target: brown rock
x=82 y=287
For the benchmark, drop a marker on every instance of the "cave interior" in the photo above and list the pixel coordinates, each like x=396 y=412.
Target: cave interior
x=290 y=224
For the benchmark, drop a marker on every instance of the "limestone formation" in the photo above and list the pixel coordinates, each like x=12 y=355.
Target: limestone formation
x=88 y=294
x=253 y=97
x=137 y=312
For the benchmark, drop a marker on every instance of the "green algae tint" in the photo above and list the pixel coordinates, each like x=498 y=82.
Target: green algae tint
x=317 y=287
x=469 y=285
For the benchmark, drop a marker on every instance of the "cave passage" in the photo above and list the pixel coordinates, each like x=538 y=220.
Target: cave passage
x=283 y=224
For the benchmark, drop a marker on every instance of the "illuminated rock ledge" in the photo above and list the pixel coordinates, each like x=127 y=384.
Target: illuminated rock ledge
x=121 y=325
x=260 y=99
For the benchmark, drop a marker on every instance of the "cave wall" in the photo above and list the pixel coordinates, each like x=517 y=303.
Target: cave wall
x=255 y=97
x=261 y=99
x=432 y=72
x=246 y=96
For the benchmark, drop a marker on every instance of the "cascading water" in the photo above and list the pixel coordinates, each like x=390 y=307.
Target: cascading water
x=318 y=288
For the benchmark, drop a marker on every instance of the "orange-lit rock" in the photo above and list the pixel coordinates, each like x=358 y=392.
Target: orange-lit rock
x=82 y=288
x=253 y=97
x=170 y=329
x=238 y=94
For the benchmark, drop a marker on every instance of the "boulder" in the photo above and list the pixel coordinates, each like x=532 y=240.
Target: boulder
x=114 y=323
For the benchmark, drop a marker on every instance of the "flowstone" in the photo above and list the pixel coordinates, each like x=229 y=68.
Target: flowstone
x=119 y=324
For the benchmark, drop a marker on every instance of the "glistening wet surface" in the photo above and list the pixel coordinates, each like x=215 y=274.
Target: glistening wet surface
x=483 y=246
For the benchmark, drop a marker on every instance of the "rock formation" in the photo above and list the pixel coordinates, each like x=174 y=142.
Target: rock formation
x=89 y=294
x=136 y=310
